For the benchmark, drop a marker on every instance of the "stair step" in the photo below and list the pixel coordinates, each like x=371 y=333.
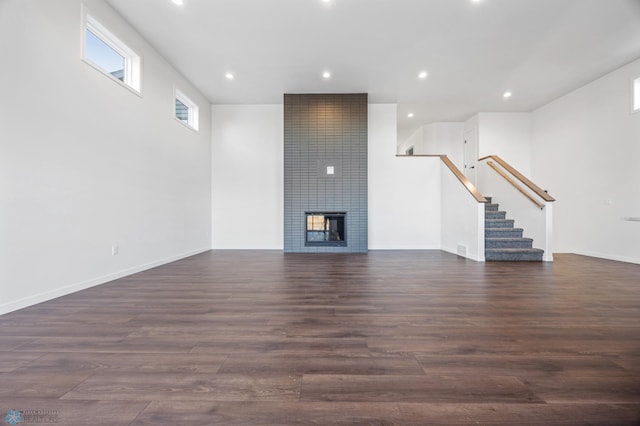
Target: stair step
x=495 y=243
x=499 y=223
x=489 y=199
x=503 y=232
x=495 y=215
x=521 y=255
x=503 y=242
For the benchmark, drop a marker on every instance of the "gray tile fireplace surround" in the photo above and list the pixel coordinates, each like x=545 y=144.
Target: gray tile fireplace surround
x=325 y=167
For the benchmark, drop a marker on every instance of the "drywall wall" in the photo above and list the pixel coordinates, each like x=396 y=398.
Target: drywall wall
x=508 y=135
x=462 y=221
x=414 y=141
x=437 y=139
x=445 y=139
x=86 y=164
x=404 y=192
x=586 y=152
x=248 y=177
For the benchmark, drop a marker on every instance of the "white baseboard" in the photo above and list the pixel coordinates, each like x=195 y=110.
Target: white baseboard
x=468 y=256
x=608 y=257
x=72 y=288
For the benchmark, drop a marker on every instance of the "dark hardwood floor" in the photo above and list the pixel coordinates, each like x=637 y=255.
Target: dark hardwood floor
x=389 y=337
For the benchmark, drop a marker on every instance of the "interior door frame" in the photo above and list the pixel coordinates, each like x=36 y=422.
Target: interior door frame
x=470 y=154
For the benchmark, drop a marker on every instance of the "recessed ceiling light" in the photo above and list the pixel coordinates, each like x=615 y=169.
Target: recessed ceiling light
x=326 y=74
x=476 y=1
x=178 y=2
x=229 y=76
x=423 y=74
x=326 y=1
x=410 y=115
x=507 y=95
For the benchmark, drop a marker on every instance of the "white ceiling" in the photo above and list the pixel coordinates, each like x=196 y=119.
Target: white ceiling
x=474 y=52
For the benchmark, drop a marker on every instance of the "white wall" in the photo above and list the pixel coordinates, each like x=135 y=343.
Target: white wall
x=462 y=222
x=445 y=139
x=437 y=139
x=86 y=163
x=404 y=193
x=414 y=141
x=508 y=135
x=248 y=177
x=472 y=123
x=586 y=152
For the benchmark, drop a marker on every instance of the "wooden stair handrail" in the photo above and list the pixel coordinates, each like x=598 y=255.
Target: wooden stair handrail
x=457 y=173
x=515 y=185
x=532 y=186
x=463 y=180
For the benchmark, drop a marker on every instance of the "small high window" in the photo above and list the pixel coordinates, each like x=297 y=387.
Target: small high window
x=186 y=111
x=636 y=95
x=108 y=54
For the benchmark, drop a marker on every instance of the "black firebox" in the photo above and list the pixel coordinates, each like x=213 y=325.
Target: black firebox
x=325 y=229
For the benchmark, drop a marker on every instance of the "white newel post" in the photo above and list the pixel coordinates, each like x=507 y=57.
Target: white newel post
x=548 y=221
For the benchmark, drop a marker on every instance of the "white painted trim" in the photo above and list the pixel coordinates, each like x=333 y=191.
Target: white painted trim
x=468 y=256
x=548 y=241
x=454 y=252
x=635 y=95
x=132 y=61
x=110 y=77
x=72 y=288
x=481 y=231
x=193 y=120
x=608 y=257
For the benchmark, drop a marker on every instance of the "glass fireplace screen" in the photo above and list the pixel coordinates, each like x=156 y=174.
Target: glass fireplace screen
x=325 y=229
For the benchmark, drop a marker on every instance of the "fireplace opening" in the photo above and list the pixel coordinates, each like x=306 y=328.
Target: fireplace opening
x=325 y=229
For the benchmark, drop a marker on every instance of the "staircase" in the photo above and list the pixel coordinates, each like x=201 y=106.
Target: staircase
x=503 y=242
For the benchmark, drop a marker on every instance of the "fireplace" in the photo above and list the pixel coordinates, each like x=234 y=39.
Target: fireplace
x=325 y=173
x=325 y=229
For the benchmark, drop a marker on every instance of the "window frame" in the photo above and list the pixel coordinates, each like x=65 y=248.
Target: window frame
x=193 y=110
x=635 y=95
x=132 y=78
